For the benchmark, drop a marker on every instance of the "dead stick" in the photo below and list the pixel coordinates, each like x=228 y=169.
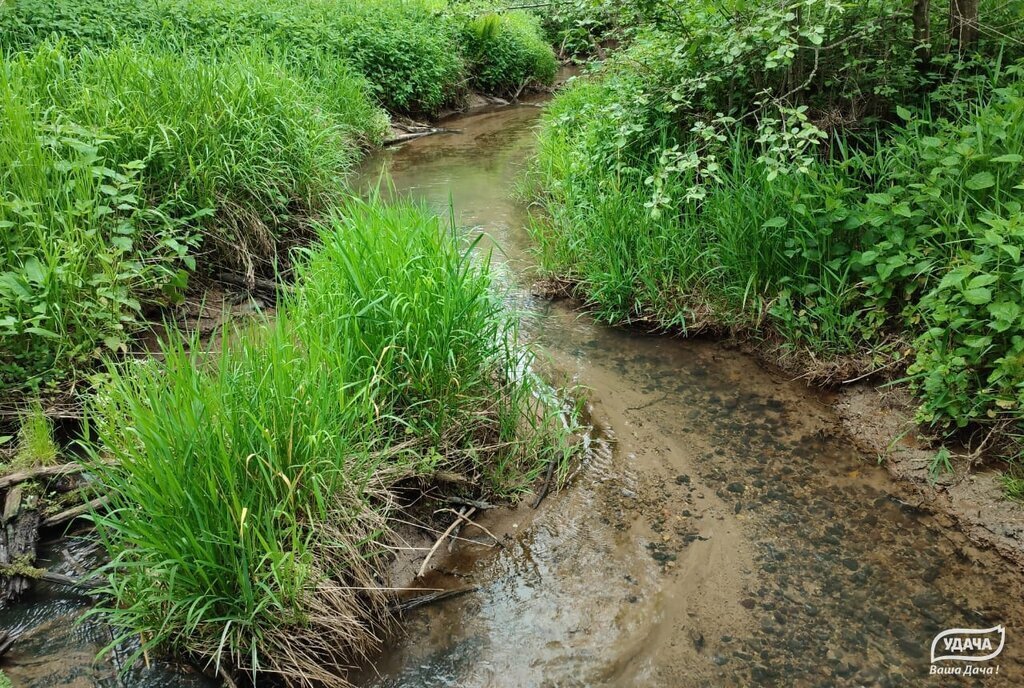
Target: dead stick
x=547 y=484
x=229 y=682
x=74 y=512
x=41 y=472
x=475 y=524
x=433 y=597
x=444 y=536
x=61 y=579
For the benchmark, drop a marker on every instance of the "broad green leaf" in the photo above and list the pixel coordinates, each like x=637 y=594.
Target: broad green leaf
x=981 y=281
x=979 y=181
x=979 y=296
x=1004 y=310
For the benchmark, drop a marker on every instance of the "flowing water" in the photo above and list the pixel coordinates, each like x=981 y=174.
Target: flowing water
x=55 y=646
x=724 y=533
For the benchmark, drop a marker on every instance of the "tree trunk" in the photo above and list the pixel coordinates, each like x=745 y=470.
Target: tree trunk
x=963 y=24
x=922 y=32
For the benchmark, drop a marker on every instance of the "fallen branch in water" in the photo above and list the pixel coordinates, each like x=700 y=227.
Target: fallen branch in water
x=433 y=597
x=462 y=513
x=402 y=138
x=68 y=581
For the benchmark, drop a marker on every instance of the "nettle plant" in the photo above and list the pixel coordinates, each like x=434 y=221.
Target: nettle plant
x=944 y=247
x=105 y=250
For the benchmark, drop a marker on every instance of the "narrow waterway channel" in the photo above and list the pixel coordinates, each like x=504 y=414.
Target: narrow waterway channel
x=726 y=535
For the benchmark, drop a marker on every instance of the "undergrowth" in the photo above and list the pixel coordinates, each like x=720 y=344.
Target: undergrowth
x=802 y=175
x=252 y=498
x=118 y=167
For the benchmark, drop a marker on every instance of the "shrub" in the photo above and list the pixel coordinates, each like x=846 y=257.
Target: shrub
x=507 y=51
x=251 y=498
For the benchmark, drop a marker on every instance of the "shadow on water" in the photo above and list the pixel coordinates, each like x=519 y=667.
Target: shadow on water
x=55 y=647
x=725 y=535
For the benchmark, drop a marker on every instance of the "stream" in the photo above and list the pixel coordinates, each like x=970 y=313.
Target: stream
x=720 y=530
x=725 y=534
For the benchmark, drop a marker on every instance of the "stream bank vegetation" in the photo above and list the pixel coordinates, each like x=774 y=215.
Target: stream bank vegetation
x=253 y=486
x=147 y=142
x=840 y=183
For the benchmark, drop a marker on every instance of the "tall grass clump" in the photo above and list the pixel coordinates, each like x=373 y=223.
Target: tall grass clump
x=117 y=166
x=36 y=445
x=252 y=485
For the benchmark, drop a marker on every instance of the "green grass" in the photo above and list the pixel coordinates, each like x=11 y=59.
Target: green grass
x=1014 y=486
x=119 y=165
x=252 y=495
x=35 y=445
x=145 y=139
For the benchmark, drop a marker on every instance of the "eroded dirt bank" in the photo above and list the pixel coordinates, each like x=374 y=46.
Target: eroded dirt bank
x=728 y=533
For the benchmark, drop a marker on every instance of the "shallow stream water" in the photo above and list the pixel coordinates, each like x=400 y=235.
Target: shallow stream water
x=724 y=534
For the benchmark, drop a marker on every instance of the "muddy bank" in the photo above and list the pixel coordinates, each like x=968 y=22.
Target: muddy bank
x=727 y=532
x=880 y=423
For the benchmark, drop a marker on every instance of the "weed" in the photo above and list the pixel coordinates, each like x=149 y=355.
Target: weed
x=36 y=446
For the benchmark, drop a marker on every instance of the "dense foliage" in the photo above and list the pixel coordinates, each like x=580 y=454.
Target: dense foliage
x=251 y=490
x=507 y=52
x=412 y=52
x=115 y=164
x=142 y=136
x=827 y=178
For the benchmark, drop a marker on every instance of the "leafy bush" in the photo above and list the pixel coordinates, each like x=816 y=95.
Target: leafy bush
x=116 y=162
x=251 y=496
x=947 y=249
x=507 y=52
x=729 y=181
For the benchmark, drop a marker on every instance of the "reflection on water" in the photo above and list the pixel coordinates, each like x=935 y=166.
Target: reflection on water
x=55 y=647
x=732 y=537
